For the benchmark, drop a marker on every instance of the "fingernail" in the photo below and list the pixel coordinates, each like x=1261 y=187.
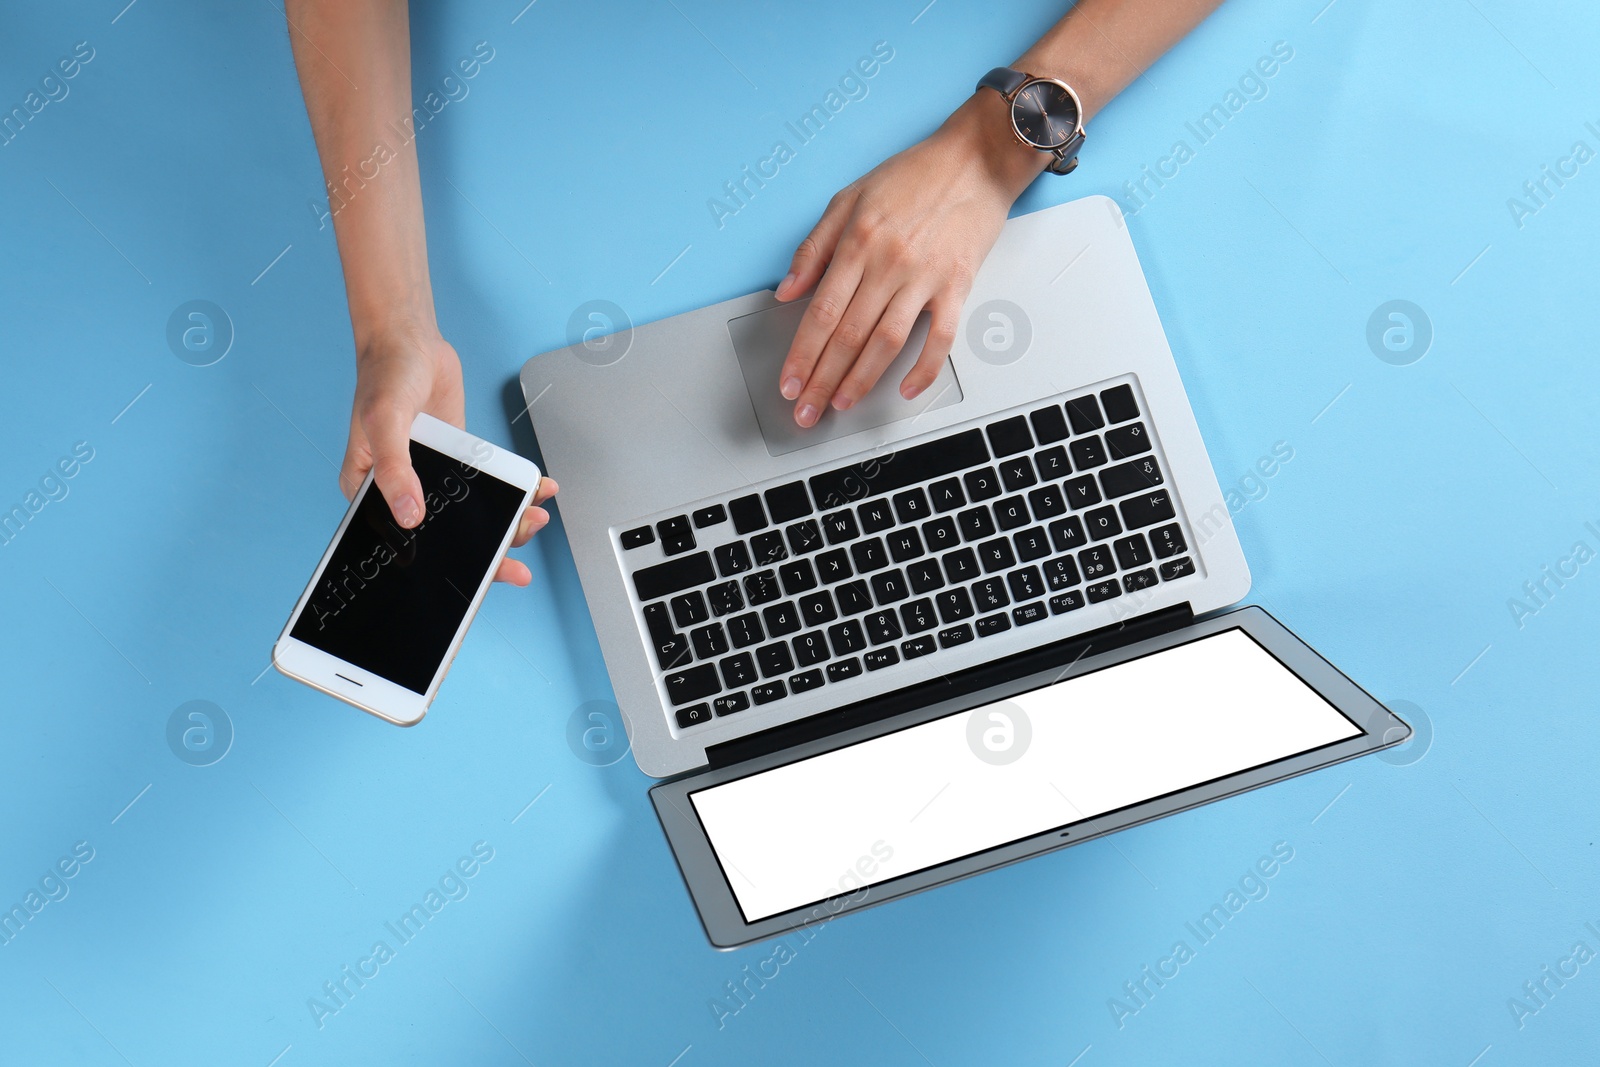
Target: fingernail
x=791 y=387
x=407 y=511
x=842 y=402
x=806 y=415
x=787 y=279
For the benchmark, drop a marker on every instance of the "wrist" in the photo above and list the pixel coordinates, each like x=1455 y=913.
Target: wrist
x=380 y=333
x=981 y=130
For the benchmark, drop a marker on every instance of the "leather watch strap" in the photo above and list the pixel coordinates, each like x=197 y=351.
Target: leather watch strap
x=1002 y=80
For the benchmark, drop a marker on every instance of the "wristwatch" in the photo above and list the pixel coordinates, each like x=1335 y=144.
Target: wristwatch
x=1045 y=114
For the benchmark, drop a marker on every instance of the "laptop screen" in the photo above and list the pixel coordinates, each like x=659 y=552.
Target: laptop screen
x=845 y=820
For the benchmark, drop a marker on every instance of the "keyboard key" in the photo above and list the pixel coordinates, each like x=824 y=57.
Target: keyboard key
x=1102 y=523
x=761 y=588
x=730 y=703
x=834 y=566
x=1166 y=540
x=748 y=514
x=673 y=651
x=1139 y=580
x=954 y=605
x=955 y=635
x=1010 y=436
x=768 y=548
x=1145 y=509
x=781 y=619
x=911 y=506
x=1085 y=414
x=785 y=503
x=1023 y=614
x=1031 y=544
x=1119 y=403
x=676 y=536
x=880 y=658
x=638 y=537
x=869 y=555
x=658 y=620
x=1017 y=473
x=947 y=495
x=745 y=630
x=805 y=681
x=897 y=470
x=876 y=515
x=1097 y=562
x=841 y=669
x=1134 y=477
x=725 y=599
x=690 y=608
x=733 y=559
x=982 y=484
x=924 y=576
x=1125 y=441
x=854 y=598
x=1176 y=568
x=1103 y=590
x=797 y=577
x=960 y=565
x=1065 y=602
x=940 y=534
x=882 y=626
x=840 y=527
x=1088 y=452
x=918 y=616
x=904 y=544
x=918 y=646
x=738 y=671
x=710 y=516
x=694 y=716
x=990 y=625
x=996 y=555
x=1052 y=464
x=1081 y=492
x=847 y=638
x=975 y=523
x=1047 y=502
x=817 y=608
x=1062 y=573
x=696 y=683
x=1132 y=551
x=709 y=641
x=990 y=594
x=804 y=537
x=774 y=659
x=653 y=583
x=1049 y=424
x=767 y=692
x=1025 y=584
x=1068 y=534
x=810 y=648
x=890 y=587
x=1011 y=513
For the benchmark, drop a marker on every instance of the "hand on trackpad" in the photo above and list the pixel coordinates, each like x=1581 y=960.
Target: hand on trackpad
x=761 y=341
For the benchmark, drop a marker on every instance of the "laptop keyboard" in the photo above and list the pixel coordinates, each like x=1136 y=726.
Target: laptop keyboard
x=811 y=583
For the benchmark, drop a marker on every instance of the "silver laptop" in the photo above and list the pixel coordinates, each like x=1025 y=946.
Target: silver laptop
x=923 y=638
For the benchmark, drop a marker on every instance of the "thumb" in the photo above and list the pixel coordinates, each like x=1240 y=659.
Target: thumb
x=388 y=430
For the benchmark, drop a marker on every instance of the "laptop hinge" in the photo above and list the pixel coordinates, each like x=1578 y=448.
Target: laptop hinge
x=874 y=709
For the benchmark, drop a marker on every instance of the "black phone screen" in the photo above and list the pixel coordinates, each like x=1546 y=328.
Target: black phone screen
x=390 y=600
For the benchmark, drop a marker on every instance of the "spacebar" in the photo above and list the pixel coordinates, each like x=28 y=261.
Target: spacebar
x=896 y=470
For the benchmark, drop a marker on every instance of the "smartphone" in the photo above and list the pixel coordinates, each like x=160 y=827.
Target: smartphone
x=388 y=607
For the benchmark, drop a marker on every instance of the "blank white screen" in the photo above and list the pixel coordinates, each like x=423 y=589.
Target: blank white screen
x=798 y=834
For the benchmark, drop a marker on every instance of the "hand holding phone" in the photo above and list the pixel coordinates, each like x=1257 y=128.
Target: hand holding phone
x=388 y=606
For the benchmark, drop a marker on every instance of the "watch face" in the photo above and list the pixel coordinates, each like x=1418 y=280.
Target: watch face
x=1045 y=114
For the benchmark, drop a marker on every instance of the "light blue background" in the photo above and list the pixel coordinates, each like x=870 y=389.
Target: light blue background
x=1423 y=891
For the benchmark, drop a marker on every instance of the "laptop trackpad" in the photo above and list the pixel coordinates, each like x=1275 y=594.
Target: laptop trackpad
x=762 y=342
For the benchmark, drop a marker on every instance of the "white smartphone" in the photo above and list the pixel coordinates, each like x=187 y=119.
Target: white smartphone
x=387 y=608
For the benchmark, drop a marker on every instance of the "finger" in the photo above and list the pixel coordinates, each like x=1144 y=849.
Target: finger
x=941 y=337
x=814 y=253
x=882 y=347
x=513 y=572
x=817 y=325
x=357 y=461
x=388 y=428
x=547 y=489
x=842 y=350
x=533 y=520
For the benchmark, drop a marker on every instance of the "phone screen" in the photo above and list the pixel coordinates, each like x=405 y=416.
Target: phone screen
x=390 y=599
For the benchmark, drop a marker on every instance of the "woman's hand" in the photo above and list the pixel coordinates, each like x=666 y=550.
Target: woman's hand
x=910 y=235
x=398 y=374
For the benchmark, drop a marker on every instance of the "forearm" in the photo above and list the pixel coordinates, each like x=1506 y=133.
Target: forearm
x=354 y=61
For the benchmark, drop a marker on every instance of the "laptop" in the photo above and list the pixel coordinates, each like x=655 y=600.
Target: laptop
x=924 y=638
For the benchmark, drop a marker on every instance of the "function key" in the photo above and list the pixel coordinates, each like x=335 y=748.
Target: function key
x=1176 y=568
x=710 y=516
x=1049 y=424
x=637 y=537
x=788 y=502
x=880 y=658
x=694 y=716
x=748 y=514
x=839 y=670
x=1084 y=411
x=993 y=624
x=1168 y=541
x=1027 y=613
x=1139 y=580
x=1125 y=441
x=1010 y=436
x=805 y=681
x=1064 y=602
x=1119 y=403
x=676 y=536
x=918 y=646
x=1105 y=590
x=770 y=691
x=955 y=635
x=732 y=702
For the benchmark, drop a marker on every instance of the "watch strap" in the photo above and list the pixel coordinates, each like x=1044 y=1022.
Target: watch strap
x=1066 y=156
x=1002 y=80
